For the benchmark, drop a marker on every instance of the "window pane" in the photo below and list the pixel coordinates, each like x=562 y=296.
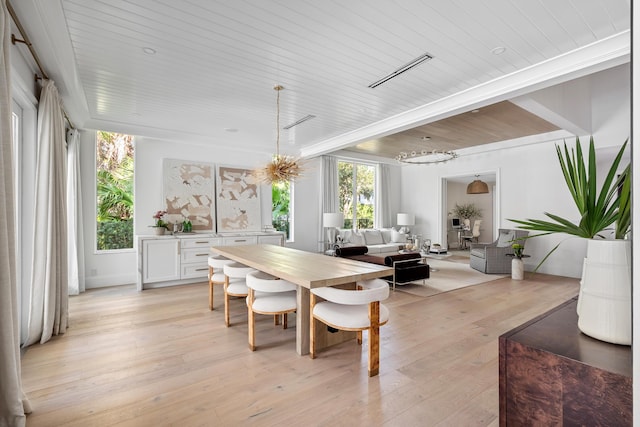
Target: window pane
x=281 y=207
x=356 y=194
x=114 y=171
x=364 y=193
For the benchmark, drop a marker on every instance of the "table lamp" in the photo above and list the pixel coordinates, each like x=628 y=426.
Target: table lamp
x=332 y=221
x=404 y=220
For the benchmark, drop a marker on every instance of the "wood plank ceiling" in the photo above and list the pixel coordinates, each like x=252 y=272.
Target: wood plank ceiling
x=205 y=70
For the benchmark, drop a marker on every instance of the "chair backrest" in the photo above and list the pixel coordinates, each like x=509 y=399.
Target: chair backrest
x=476 y=228
x=237 y=270
x=373 y=290
x=261 y=281
x=507 y=237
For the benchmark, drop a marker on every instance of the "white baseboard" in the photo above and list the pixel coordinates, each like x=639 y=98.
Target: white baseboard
x=112 y=280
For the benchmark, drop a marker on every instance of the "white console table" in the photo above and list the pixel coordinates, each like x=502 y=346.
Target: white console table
x=182 y=258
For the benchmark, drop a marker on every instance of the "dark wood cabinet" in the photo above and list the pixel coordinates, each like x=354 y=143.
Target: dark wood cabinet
x=552 y=374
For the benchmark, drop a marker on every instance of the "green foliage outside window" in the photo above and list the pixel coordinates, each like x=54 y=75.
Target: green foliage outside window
x=356 y=184
x=280 y=213
x=114 y=214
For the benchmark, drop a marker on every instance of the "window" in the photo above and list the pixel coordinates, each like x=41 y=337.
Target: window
x=356 y=182
x=114 y=176
x=281 y=209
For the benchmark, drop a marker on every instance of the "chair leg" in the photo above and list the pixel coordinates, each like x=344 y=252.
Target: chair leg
x=374 y=339
x=252 y=330
x=210 y=288
x=226 y=300
x=276 y=319
x=312 y=328
x=359 y=337
x=285 y=318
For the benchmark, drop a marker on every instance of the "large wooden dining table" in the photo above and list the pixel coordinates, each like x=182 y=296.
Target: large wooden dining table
x=308 y=270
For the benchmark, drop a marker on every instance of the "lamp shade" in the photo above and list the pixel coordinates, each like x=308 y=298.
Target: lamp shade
x=332 y=219
x=406 y=219
x=477 y=187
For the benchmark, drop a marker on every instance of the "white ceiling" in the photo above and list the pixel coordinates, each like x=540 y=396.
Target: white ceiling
x=216 y=62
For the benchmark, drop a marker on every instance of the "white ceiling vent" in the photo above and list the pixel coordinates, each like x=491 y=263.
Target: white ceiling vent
x=405 y=67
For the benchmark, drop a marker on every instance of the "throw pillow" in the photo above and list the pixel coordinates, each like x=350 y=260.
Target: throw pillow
x=357 y=238
x=386 y=234
x=505 y=239
x=397 y=237
x=373 y=237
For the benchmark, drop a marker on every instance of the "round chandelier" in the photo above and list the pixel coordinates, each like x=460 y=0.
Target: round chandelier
x=425 y=157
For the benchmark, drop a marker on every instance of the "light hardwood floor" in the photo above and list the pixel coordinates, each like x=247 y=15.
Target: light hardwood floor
x=160 y=358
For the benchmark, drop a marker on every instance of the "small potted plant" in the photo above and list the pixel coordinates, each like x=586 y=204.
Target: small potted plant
x=518 y=250
x=160 y=225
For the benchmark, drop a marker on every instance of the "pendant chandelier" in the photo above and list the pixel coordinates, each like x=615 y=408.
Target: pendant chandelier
x=477 y=187
x=425 y=157
x=282 y=167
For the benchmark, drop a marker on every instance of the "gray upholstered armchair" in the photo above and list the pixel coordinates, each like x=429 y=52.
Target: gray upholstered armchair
x=492 y=258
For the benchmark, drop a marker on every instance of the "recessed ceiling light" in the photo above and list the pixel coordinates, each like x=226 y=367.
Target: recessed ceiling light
x=475 y=111
x=426 y=138
x=149 y=50
x=232 y=130
x=498 y=50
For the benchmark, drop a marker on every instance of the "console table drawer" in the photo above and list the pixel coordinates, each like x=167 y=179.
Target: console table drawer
x=190 y=271
x=197 y=255
x=239 y=240
x=203 y=242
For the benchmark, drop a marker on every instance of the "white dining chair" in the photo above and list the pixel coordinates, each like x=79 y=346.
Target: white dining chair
x=234 y=288
x=216 y=274
x=268 y=295
x=353 y=310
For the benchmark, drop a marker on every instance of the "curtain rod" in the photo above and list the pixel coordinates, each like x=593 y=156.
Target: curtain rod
x=26 y=41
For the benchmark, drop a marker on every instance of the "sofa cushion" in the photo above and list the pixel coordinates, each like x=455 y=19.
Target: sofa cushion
x=357 y=238
x=380 y=249
x=506 y=238
x=397 y=237
x=373 y=237
x=386 y=234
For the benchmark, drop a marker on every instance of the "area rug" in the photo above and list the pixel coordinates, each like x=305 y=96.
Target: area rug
x=447 y=276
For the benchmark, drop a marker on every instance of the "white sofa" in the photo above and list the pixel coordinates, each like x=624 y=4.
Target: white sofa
x=376 y=240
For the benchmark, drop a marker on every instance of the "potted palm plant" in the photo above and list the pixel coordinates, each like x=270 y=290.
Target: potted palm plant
x=604 y=302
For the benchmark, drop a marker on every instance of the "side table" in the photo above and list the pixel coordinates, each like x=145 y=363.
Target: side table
x=552 y=374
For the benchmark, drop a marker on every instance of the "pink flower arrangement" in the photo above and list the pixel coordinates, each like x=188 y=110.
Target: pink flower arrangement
x=159 y=219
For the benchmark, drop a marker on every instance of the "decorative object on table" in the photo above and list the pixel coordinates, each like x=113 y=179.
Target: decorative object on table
x=477 y=186
x=160 y=225
x=281 y=167
x=187 y=226
x=426 y=246
x=332 y=221
x=238 y=200
x=604 y=302
x=189 y=189
x=404 y=221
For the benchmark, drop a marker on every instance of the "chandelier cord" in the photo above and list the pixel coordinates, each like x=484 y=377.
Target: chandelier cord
x=278 y=88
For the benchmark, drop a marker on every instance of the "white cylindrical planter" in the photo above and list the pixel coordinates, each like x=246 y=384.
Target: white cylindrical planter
x=517 y=269
x=159 y=230
x=604 y=303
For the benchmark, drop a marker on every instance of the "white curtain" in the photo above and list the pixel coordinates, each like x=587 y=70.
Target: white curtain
x=13 y=403
x=75 y=242
x=382 y=206
x=48 y=310
x=329 y=190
